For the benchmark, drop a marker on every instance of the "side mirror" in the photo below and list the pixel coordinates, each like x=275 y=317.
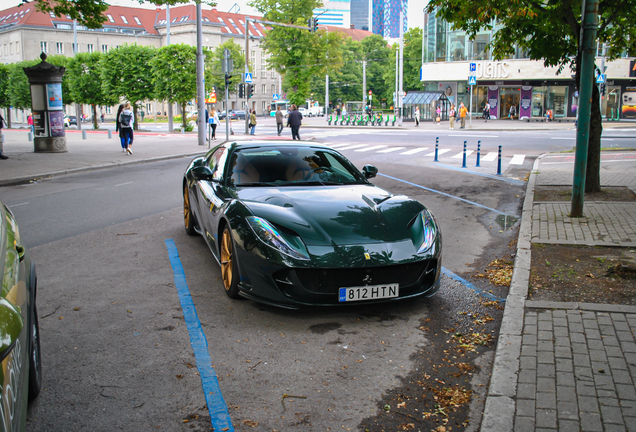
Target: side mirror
x=369 y=171
x=11 y=325
x=203 y=173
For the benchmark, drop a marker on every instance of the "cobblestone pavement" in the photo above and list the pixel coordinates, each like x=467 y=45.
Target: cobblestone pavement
x=577 y=371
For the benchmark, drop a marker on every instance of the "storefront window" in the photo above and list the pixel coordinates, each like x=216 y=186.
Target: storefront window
x=611 y=102
x=480 y=51
x=558 y=95
x=538 y=96
x=480 y=96
x=508 y=96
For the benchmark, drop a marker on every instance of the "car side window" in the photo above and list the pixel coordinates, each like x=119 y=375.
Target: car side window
x=216 y=162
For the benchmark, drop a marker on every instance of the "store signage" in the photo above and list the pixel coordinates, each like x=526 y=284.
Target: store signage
x=632 y=68
x=492 y=70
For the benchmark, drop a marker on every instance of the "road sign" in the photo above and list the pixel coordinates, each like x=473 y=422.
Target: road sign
x=370 y=92
x=226 y=53
x=472 y=80
x=600 y=79
x=248 y=77
x=473 y=67
x=275 y=97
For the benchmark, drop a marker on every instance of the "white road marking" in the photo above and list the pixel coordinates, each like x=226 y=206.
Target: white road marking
x=517 y=159
x=350 y=147
x=439 y=152
x=392 y=149
x=474 y=136
x=563 y=138
x=123 y=184
x=491 y=156
x=17 y=205
x=411 y=152
x=461 y=155
x=371 y=148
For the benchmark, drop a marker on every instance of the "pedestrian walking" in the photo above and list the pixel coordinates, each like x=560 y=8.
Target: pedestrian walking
x=451 y=117
x=30 y=122
x=102 y=116
x=295 y=121
x=214 y=121
x=417 y=116
x=512 y=113
x=118 y=128
x=438 y=111
x=487 y=111
x=253 y=122
x=126 y=122
x=279 y=120
x=462 y=115
x=2 y=124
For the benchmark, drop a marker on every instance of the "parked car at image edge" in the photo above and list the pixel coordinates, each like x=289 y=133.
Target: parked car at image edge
x=70 y=120
x=297 y=224
x=21 y=374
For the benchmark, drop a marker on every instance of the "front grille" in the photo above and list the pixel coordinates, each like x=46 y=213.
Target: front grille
x=328 y=281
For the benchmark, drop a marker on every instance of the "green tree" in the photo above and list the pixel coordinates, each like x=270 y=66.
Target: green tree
x=174 y=75
x=85 y=82
x=379 y=61
x=412 y=59
x=549 y=30
x=214 y=68
x=295 y=53
x=18 y=88
x=89 y=12
x=126 y=72
x=4 y=91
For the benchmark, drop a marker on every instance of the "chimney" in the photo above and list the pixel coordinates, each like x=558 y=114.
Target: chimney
x=352 y=26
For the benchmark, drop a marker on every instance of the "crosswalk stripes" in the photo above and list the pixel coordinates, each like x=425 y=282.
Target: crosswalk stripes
x=392 y=149
x=439 y=152
x=517 y=159
x=370 y=148
x=414 y=151
x=491 y=156
x=351 y=147
x=461 y=155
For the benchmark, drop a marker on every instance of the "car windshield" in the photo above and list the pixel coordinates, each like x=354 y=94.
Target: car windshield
x=291 y=166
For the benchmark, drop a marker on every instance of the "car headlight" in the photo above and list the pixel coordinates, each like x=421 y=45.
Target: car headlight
x=429 y=231
x=273 y=238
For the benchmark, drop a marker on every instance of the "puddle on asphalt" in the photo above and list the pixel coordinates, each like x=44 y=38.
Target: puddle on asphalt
x=506 y=221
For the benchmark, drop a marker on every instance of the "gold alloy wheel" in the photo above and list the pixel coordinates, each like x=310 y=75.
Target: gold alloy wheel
x=226 y=259
x=186 y=208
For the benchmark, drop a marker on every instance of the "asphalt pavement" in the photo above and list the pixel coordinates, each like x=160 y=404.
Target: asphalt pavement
x=546 y=370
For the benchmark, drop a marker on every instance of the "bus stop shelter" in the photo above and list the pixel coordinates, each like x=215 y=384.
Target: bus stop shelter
x=427 y=103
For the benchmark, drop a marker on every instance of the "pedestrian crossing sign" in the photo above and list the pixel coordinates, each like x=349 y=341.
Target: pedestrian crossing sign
x=472 y=80
x=600 y=79
x=275 y=97
x=248 y=77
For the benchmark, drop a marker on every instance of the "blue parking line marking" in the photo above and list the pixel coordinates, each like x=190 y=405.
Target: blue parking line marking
x=447 y=195
x=464 y=282
x=217 y=407
x=491 y=176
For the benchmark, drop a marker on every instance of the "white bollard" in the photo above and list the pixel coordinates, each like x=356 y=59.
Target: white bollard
x=110 y=134
x=30 y=136
x=83 y=133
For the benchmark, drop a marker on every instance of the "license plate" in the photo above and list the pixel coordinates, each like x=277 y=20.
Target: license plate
x=369 y=292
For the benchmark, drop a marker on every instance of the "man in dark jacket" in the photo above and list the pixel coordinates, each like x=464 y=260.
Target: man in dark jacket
x=294 y=121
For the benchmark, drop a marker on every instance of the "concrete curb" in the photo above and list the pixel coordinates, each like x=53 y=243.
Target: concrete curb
x=499 y=410
x=27 y=179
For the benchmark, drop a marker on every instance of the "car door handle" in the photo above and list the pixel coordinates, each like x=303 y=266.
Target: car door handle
x=21 y=251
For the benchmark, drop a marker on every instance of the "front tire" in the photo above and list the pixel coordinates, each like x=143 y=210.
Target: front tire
x=35 y=362
x=189 y=219
x=229 y=269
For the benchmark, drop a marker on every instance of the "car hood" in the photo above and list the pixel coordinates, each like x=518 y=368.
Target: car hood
x=335 y=215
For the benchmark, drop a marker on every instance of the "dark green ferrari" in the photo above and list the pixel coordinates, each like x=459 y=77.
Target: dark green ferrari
x=294 y=224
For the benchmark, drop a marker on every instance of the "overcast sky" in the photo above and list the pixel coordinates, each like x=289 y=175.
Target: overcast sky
x=415 y=14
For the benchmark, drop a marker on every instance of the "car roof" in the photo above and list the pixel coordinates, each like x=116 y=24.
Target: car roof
x=238 y=145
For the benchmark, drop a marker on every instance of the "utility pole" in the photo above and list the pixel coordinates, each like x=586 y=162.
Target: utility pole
x=200 y=79
x=364 y=84
x=170 y=122
x=77 y=106
x=589 y=25
x=326 y=95
x=247 y=68
x=401 y=66
x=227 y=66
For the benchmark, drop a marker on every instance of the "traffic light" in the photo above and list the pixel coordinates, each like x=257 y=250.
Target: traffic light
x=314 y=25
x=311 y=24
x=602 y=89
x=228 y=80
x=241 y=91
x=250 y=90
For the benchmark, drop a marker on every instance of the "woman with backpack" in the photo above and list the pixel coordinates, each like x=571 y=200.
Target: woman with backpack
x=126 y=122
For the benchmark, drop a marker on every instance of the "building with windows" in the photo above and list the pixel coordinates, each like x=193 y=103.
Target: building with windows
x=527 y=84
x=26 y=32
x=385 y=17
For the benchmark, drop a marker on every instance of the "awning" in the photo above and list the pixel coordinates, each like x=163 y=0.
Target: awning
x=419 y=97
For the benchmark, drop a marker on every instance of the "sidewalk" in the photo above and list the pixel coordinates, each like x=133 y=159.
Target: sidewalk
x=566 y=366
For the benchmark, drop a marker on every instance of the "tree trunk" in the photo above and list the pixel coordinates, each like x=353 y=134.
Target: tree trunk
x=7 y=118
x=94 y=116
x=183 y=115
x=593 y=171
x=135 y=124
